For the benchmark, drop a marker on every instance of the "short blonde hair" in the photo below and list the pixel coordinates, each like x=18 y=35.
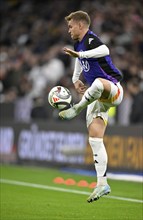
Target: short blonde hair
x=79 y=16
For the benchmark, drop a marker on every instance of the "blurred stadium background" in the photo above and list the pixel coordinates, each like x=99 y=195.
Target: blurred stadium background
x=32 y=35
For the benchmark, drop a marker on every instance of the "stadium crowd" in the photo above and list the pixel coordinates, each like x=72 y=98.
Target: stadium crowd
x=32 y=36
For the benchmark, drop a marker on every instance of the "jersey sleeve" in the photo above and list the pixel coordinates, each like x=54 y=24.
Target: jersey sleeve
x=97 y=52
x=77 y=71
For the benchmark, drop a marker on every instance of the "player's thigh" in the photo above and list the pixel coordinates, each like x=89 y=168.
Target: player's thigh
x=107 y=88
x=96 y=118
x=97 y=128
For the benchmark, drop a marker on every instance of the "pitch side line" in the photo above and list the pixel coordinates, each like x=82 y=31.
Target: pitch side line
x=33 y=185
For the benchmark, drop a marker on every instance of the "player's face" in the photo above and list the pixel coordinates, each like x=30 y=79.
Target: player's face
x=74 y=29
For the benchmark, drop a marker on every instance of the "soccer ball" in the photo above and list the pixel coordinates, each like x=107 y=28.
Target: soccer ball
x=59 y=97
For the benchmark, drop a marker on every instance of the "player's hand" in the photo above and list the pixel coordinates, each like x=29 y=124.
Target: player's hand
x=80 y=87
x=70 y=52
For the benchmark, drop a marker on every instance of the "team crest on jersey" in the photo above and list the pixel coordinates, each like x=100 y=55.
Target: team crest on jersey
x=85 y=65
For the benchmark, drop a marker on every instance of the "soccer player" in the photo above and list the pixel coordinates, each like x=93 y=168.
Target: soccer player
x=92 y=59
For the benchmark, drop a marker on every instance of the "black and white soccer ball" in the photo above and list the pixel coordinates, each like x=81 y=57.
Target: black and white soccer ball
x=60 y=97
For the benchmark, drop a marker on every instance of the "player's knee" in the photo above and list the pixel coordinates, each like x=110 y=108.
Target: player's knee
x=98 y=85
x=96 y=89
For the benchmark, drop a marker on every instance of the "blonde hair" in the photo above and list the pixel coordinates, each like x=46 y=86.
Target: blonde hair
x=79 y=16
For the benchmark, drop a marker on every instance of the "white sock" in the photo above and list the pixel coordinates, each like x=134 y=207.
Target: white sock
x=100 y=158
x=93 y=93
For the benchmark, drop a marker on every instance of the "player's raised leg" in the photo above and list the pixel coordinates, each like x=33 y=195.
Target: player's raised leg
x=92 y=93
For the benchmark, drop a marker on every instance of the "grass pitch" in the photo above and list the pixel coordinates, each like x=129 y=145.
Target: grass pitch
x=29 y=193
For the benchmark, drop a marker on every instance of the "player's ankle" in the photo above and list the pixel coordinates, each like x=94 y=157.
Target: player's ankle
x=101 y=181
x=79 y=107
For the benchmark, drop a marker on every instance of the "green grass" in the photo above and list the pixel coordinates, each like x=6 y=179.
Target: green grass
x=28 y=203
